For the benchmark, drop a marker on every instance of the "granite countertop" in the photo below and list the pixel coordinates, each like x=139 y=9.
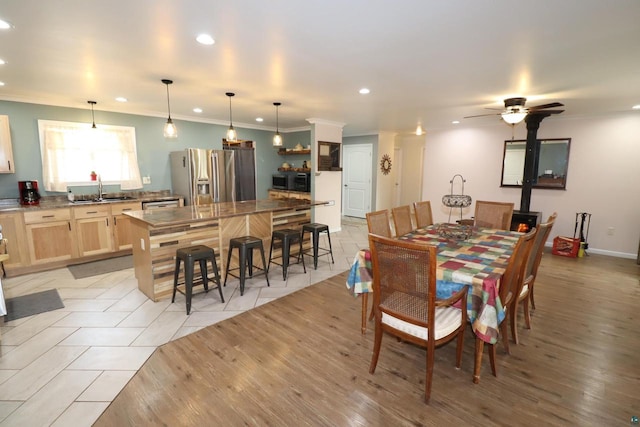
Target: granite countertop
x=191 y=214
x=54 y=202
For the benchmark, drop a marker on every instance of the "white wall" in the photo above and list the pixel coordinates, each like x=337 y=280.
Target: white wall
x=327 y=185
x=602 y=179
x=412 y=147
x=385 y=183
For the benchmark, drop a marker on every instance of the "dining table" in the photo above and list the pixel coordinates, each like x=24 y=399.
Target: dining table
x=477 y=260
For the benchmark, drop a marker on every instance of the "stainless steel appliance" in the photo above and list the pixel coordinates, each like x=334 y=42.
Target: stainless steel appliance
x=302 y=182
x=282 y=181
x=205 y=176
x=158 y=204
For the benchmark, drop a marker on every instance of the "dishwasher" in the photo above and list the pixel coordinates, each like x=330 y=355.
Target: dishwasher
x=159 y=204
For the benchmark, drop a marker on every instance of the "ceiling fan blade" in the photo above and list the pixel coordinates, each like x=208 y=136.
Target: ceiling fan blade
x=482 y=115
x=550 y=105
x=546 y=111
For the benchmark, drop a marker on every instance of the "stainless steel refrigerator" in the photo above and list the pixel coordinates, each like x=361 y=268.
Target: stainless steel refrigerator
x=205 y=176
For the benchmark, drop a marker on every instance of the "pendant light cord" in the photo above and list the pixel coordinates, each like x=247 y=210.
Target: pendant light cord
x=93 y=118
x=168 y=104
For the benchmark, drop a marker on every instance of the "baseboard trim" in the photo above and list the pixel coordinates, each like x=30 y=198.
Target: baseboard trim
x=604 y=252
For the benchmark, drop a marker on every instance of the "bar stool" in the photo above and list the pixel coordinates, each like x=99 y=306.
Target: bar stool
x=315 y=229
x=286 y=237
x=245 y=246
x=189 y=256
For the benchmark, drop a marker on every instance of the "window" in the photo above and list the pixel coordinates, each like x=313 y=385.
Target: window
x=71 y=151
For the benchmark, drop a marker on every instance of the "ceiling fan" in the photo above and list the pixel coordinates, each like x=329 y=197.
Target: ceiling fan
x=515 y=111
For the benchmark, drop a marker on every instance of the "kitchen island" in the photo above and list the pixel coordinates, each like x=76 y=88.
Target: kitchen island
x=158 y=234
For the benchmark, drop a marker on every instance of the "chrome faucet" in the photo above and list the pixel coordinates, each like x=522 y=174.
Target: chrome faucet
x=100 y=192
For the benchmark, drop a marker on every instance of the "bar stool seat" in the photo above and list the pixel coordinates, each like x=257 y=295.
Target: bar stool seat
x=315 y=229
x=245 y=246
x=189 y=256
x=286 y=237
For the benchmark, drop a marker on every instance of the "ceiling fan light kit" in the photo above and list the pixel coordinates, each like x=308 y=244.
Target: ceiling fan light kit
x=513 y=117
x=515 y=111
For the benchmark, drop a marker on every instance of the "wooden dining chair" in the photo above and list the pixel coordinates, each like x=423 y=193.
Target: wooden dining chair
x=402 y=220
x=507 y=293
x=424 y=215
x=525 y=284
x=493 y=215
x=405 y=305
x=378 y=223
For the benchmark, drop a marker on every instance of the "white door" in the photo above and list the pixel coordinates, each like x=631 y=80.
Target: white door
x=356 y=176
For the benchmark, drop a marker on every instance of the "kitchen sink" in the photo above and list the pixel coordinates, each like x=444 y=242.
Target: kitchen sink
x=104 y=199
x=107 y=199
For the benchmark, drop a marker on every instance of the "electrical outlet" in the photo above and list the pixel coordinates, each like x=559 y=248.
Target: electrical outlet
x=610 y=231
x=146 y=180
x=331 y=203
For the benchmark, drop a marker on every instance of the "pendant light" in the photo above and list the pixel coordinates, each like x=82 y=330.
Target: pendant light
x=93 y=119
x=277 y=138
x=419 y=130
x=170 y=130
x=231 y=132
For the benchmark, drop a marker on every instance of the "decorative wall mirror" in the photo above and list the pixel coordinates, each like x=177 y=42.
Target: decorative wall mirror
x=550 y=166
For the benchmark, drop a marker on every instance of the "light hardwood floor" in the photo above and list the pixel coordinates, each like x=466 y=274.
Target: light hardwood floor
x=301 y=360
x=64 y=367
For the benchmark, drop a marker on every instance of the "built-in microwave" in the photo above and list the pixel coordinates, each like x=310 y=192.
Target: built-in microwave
x=283 y=181
x=302 y=182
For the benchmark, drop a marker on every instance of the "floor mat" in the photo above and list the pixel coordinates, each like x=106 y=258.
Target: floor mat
x=94 y=268
x=28 y=305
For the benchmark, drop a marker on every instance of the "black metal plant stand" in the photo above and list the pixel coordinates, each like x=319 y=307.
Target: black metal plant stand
x=456 y=200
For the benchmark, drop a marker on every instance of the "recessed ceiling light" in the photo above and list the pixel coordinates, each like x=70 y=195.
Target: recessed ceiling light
x=364 y=91
x=205 y=39
x=1 y=83
x=259 y=119
x=4 y=25
x=197 y=110
x=455 y=122
x=2 y=62
x=636 y=107
x=121 y=99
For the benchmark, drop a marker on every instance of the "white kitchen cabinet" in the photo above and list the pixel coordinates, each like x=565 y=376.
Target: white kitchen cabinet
x=6 y=150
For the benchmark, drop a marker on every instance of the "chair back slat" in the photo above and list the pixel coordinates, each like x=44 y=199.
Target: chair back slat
x=402 y=220
x=514 y=274
x=404 y=279
x=538 y=246
x=424 y=215
x=493 y=214
x=378 y=223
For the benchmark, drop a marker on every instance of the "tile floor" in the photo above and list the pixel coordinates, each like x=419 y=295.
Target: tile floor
x=64 y=367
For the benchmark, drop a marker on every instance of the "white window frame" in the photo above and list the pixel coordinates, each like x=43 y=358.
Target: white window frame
x=70 y=151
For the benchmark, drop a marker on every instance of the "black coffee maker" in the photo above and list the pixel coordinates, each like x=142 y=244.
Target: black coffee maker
x=29 y=192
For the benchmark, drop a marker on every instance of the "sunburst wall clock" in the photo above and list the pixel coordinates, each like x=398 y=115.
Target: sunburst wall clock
x=385 y=164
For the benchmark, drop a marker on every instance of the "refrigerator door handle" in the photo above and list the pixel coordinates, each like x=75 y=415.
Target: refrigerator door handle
x=215 y=178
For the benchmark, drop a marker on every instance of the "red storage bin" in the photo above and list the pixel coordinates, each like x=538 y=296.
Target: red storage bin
x=566 y=246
